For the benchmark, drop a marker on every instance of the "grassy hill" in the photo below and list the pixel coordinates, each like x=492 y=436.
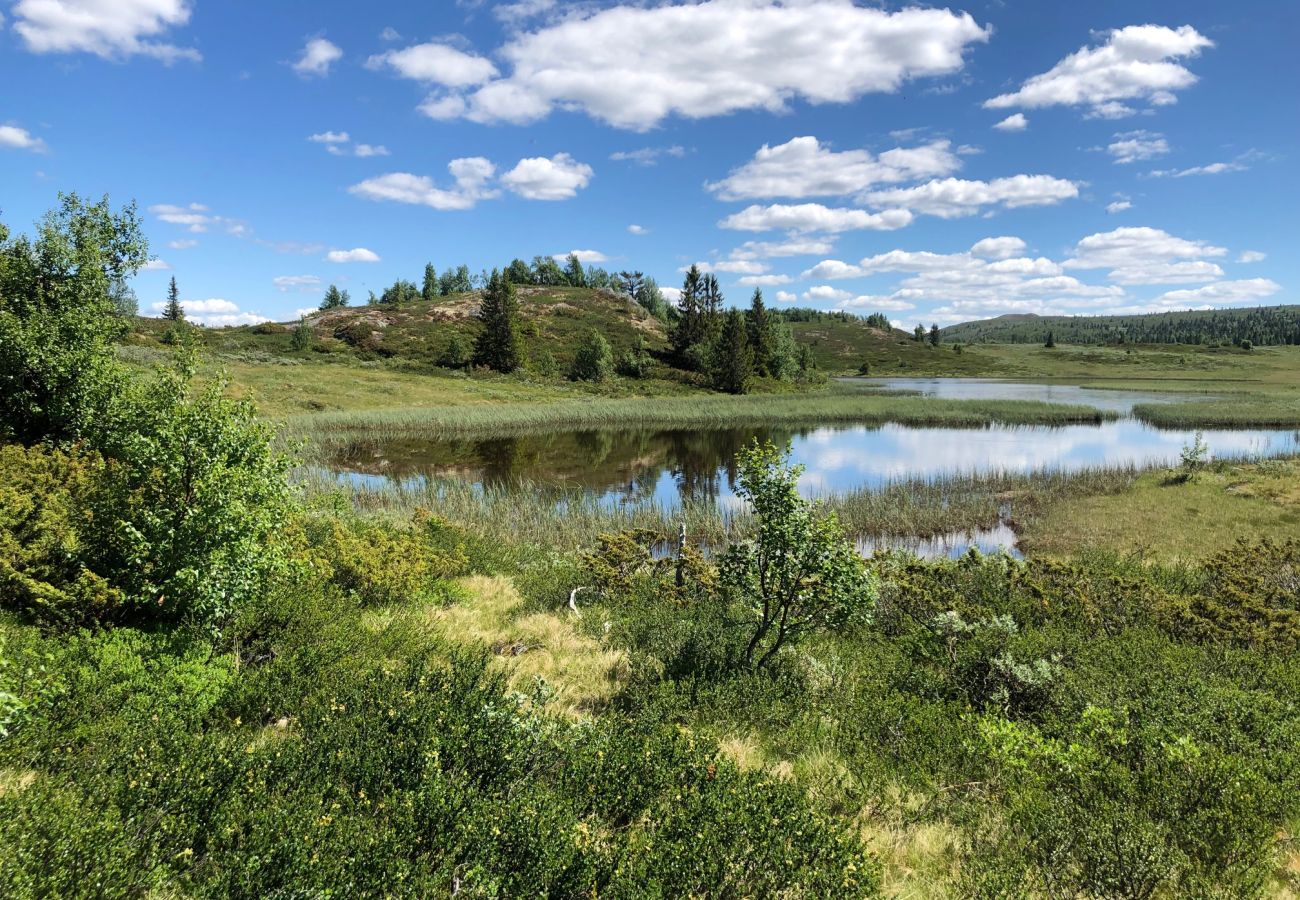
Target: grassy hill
x=555 y=320
x=1260 y=325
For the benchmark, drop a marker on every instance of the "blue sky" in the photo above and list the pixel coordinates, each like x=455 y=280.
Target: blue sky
x=938 y=164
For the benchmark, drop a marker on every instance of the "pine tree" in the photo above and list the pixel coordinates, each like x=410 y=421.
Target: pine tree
x=630 y=283
x=1050 y=343
x=429 y=288
x=173 y=311
x=712 y=304
x=498 y=346
x=733 y=359
x=573 y=272
x=758 y=325
x=934 y=335
x=334 y=298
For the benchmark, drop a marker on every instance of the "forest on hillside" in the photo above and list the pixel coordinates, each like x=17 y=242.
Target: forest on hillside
x=1260 y=326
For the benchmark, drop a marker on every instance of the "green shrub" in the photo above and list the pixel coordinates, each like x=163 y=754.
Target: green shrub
x=593 y=361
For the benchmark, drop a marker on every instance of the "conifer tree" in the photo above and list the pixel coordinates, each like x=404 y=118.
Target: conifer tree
x=934 y=335
x=690 y=329
x=334 y=298
x=758 y=325
x=733 y=359
x=712 y=305
x=498 y=346
x=573 y=271
x=429 y=288
x=173 y=311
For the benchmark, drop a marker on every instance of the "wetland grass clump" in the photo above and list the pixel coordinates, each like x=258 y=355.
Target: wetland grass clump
x=1273 y=410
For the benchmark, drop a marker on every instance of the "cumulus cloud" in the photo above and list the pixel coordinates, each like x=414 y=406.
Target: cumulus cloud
x=330 y=137
x=1133 y=146
x=1251 y=256
x=358 y=255
x=111 y=30
x=1118 y=206
x=648 y=156
x=764 y=280
x=875 y=302
x=805 y=167
x=1212 y=169
x=1003 y=247
x=586 y=257
x=1242 y=291
x=16 y=138
x=301 y=283
x=1013 y=122
x=437 y=64
x=156 y=265
x=339 y=143
x=316 y=58
x=197 y=218
x=1141 y=255
x=786 y=297
x=796 y=245
x=514 y=13
x=951 y=198
x=805 y=217
x=471 y=174
x=637 y=230
x=1135 y=63
x=215 y=313
x=539 y=178
x=744 y=55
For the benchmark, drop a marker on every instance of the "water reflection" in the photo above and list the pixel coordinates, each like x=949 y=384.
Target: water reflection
x=671 y=465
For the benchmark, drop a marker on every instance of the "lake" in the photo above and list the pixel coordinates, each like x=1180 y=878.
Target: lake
x=665 y=465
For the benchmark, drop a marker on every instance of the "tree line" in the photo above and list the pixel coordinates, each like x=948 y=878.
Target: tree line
x=1267 y=325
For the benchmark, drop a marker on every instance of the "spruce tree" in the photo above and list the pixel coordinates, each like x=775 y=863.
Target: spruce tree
x=573 y=272
x=712 y=305
x=334 y=298
x=690 y=329
x=498 y=346
x=429 y=288
x=732 y=356
x=1050 y=343
x=173 y=311
x=758 y=325
x=934 y=335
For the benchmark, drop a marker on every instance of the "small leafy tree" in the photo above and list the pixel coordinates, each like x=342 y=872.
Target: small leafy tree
x=173 y=311
x=651 y=299
x=455 y=356
x=594 y=361
x=800 y=573
x=732 y=363
x=1195 y=455
x=918 y=334
x=429 y=287
x=302 y=336
x=499 y=346
x=518 y=272
x=547 y=271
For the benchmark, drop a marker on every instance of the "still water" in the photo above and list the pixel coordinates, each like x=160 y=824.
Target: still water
x=667 y=465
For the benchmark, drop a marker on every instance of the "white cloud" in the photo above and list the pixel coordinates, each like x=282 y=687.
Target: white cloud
x=637 y=230
x=814 y=217
x=648 y=156
x=786 y=297
x=390 y=34
x=316 y=58
x=801 y=245
x=436 y=64
x=339 y=144
x=1251 y=256
x=744 y=55
x=951 y=198
x=826 y=293
x=870 y=301
x=182 y=244
x=1118 y=206
x=1140 y=255
x=20 y=139
x=586 y=257
x=764 y=280
x=1003 y=247
x=287 y=283
x=1137 y=62
x=215 y=313
x=513 y=13
x=330 y=137
x=364 y=150
x=1013 y=122
x=804 y=167
x=197 y=218
x=1222 y=292
x=156 y=265
x=539 y=178
x=112 y=29
x=1212 y=169
x=1133 y=146
x=733 y=266
x=359 y=255
x=471 y=174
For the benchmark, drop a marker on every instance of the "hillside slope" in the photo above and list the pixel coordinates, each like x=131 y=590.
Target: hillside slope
x=1261 y=326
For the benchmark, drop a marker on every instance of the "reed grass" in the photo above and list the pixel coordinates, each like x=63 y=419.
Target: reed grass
x=566 y=520
x=1253 y=410
x=324 y=432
